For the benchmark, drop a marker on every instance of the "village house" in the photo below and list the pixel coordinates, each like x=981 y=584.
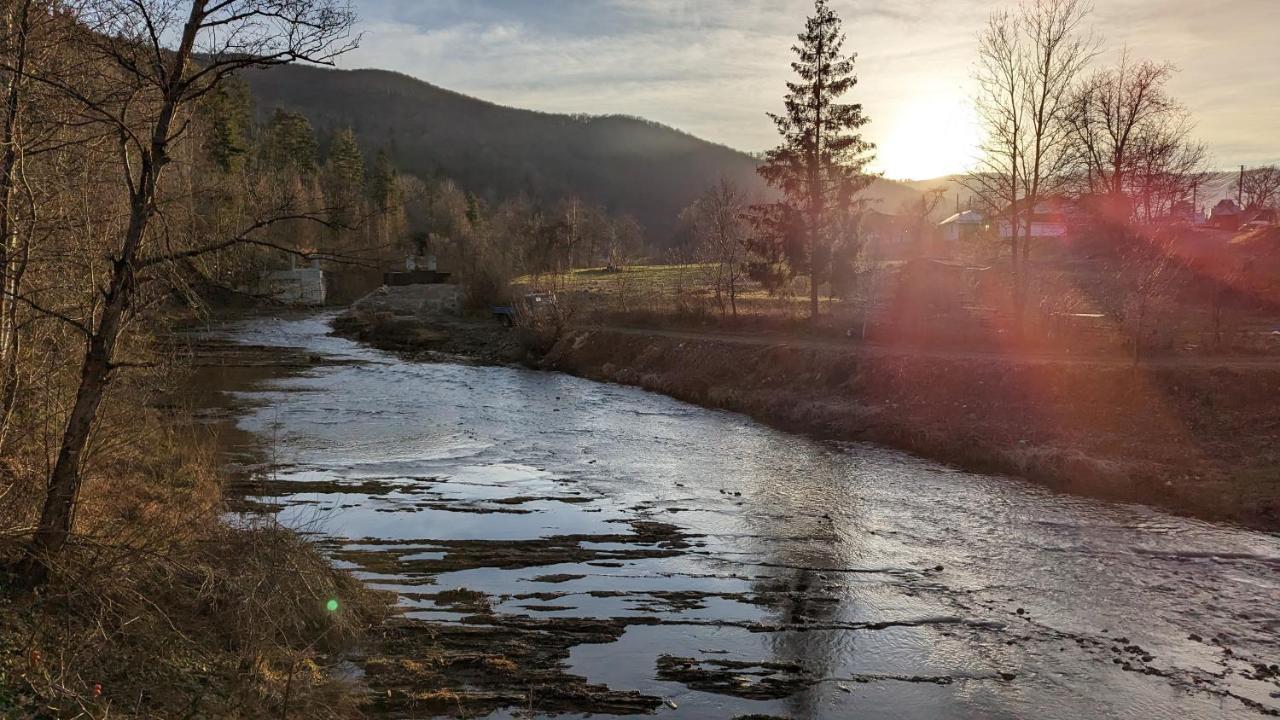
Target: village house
x=1049 y=219
x=1225 y=215
x=964 y=226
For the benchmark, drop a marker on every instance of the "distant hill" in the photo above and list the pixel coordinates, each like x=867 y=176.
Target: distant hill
x=1218 y=184
x=625 y=164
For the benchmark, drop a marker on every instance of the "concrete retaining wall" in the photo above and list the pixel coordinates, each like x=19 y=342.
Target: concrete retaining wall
x=302 y=286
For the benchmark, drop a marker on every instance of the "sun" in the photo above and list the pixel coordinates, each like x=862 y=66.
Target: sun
x=932 y=135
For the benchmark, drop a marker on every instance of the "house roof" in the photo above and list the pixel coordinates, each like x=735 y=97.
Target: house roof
x=968 y=217
x=1054 y=206
x=1226 y=207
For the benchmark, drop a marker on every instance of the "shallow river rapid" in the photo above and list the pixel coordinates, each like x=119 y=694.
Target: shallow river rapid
x=807 y=580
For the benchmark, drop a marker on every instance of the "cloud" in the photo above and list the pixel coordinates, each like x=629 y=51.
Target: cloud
x=715 y=67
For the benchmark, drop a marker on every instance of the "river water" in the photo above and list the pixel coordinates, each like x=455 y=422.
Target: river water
x=809 y=579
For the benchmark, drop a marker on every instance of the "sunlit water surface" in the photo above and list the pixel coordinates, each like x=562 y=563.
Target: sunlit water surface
x=1037 y=597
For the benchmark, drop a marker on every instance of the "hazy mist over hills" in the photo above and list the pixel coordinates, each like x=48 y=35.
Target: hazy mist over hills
x=628 y=165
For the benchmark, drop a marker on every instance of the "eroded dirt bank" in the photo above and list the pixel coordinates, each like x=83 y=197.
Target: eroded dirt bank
x=1201 y=441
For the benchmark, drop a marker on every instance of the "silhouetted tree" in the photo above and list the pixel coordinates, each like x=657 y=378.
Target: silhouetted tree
x=1130 y=141
x=1259 y=187
x=1028 y=62
x=821 y=164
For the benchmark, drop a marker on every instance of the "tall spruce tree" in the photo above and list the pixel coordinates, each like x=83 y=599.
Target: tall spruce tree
x=820 y=166
x=289 y=143
x=229 y=108
x=344 y=179
x=384 y=190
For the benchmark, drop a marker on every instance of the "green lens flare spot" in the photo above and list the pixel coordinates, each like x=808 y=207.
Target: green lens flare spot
x=331 y=606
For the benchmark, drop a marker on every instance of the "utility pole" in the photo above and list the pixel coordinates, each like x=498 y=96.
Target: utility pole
x=1240 y=188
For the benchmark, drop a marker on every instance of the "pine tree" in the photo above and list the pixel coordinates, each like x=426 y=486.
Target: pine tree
x=820 y=166
x=344 y=178
x=384 y=188
x=345 y=163
x=387 y=199
x=229 y=109
x=289 y=143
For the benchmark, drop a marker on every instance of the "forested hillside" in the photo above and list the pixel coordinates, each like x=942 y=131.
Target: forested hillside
x=627 y=165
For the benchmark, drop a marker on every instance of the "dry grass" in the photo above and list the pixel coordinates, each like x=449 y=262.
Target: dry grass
x=682 y=295
x=159 y=608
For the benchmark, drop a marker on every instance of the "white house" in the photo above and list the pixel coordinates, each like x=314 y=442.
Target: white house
x=963 y=226
x=1048 y=220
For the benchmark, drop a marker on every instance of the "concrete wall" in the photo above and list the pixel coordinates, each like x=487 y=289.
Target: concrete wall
x=302 y=286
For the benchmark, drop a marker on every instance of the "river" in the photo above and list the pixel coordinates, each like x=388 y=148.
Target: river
x=726 y=569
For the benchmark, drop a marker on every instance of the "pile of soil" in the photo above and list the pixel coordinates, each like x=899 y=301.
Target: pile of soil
x=428 y=338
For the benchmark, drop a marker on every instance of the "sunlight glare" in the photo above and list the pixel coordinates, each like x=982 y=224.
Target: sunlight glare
x=935 y=134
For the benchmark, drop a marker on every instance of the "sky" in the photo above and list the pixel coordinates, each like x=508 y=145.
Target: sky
x=714 y=68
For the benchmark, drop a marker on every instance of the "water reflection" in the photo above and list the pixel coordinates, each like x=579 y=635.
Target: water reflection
x=891 y=586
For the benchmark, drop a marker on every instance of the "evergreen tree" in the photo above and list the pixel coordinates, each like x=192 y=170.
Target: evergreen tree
x=289 y=143
x=344 y=179
x=820 y=166
x=387 y=198
x=384 y=187
x=229 y=110
x=345 y=163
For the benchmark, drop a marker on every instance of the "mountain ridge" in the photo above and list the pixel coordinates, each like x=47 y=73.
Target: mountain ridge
x=624 y=163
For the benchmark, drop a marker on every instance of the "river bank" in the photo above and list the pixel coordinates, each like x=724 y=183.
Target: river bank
x=1200 y=440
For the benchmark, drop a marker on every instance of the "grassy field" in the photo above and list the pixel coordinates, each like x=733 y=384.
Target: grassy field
x=657 y=279
x=684 y=295
x=654 y=285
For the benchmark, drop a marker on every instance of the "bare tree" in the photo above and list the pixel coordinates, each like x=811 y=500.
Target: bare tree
x=29 y=35
x=1109 y=115
x=921 y=215
x=152 y=62
x=17 y=31
x=1029 y=60
x=1169 y=166
x=1131 y=140
x=718 y=222
x=1259 y=187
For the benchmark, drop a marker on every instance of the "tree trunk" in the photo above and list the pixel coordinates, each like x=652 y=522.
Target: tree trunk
x=64 y=482
x=813 y=296
x=58 y=514
x=816 y=190
x=21 y=26
x=9 y=378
